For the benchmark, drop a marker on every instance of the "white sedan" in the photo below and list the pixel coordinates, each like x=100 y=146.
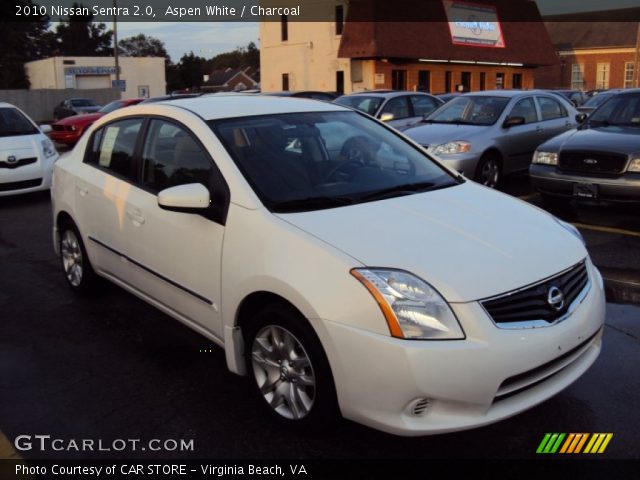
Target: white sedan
x=26 y=154
x=338 y=265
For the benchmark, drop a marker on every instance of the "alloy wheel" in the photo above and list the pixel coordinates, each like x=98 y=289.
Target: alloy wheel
x=72 y=260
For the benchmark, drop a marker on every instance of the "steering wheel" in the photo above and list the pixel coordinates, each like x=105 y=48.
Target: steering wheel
x=357 y=152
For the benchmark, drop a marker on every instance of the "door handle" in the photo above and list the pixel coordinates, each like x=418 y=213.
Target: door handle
x=135 y=216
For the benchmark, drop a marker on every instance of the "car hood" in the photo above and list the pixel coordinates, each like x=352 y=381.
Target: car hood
x=438 y=133
x=20 y=146
x=619 y=139
x=467 y=241
x=80 y=119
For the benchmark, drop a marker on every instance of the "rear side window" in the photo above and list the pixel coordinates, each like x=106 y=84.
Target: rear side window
x=398 y=107
x=172 y=157
x=113 y=147
x=526 y=109
x=551 y=108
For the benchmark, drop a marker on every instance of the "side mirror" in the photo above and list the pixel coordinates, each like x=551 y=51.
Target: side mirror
x=46 y=129
x=513 y=121
x=581 y=117
x=190 y=198
x=387 y=116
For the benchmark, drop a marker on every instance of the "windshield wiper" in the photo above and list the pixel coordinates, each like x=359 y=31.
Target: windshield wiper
x=400 y=190
x=312 y=203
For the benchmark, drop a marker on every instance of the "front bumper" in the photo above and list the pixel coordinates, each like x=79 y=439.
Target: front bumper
x=29 y=178
x=547 y=179
x=65 y=137
x=465 y=163
x=379 y=379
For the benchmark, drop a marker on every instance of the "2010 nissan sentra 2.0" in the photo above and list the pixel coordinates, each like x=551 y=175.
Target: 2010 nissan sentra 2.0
x=339 y=266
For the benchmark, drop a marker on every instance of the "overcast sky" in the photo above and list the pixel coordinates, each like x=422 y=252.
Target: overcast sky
x=209 y=39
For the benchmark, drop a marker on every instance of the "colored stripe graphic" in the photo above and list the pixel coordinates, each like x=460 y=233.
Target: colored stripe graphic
x=574 y=443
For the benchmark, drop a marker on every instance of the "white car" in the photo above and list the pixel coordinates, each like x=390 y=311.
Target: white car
x=335 y=262
x=26 y=153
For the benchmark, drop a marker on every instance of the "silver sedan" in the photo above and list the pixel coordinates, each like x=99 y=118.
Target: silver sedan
x=486 y=135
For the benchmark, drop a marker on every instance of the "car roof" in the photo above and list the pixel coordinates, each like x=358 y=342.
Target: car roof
x=214 y=107
x=385 y=93
x=6 y=104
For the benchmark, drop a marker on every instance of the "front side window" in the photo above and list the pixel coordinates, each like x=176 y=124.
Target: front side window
x=550 y=108
x=368 y=105
x=83 y=102
x=398 y=107
x=172 y=157
x=316 y=160
x=423 y=105
x=13 y=122
x=113 y=147
x=525 y=108
x=471 y=110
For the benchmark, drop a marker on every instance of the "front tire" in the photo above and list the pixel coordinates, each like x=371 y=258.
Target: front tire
x=74 y=260
x=488 y=171
x=290 y=371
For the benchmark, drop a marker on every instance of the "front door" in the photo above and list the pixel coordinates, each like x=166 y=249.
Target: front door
x=175 y=256
x=520 y=141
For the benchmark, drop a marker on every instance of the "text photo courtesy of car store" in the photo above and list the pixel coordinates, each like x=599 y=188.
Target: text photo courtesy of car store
x=446 y=54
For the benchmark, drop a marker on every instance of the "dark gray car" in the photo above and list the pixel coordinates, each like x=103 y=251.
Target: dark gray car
x=598 y=161
x=399 y=109
x=486 y=135
x=75 y=106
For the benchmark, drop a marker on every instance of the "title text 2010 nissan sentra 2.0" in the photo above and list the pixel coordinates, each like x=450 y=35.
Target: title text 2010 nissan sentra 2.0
x=340 y=267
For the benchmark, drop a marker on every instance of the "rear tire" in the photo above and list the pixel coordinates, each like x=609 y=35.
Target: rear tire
x=74 y=260
x=488 y=171
x=289 y=368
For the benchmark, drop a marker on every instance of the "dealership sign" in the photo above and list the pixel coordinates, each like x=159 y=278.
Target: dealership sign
x=90 y=70
x=473 y=24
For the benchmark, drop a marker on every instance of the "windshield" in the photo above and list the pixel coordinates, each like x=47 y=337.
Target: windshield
x=619 y=110
x=110 y=107
x=364 y=103
x=597 y=100
x=13 y=122
x=83 y=102
x=310 y=161
x=471 y=110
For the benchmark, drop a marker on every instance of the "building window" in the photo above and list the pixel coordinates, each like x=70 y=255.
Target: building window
x=447 y=81
x=577 y=76
x=284 y=28
x=516 y=80
x=340 y=82
x=499 y=81
x=465 y=81
x=424 y=81
x=483 y=81
x=629 y=68
x=602 y=75
x=399 y=79
x=339 y=19
x=285 y=82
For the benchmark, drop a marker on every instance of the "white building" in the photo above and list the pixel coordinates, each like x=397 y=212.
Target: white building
x=139 y=76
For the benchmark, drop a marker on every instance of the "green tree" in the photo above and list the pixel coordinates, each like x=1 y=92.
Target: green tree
x=78 y=35
x=21 y=42
x=142 y=46
x=192 y=69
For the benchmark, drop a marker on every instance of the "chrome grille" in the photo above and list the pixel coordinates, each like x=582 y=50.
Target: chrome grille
x=531 y=304
x=592 y=162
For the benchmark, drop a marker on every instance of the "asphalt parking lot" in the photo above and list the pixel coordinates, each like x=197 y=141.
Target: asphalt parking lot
x=112 y=367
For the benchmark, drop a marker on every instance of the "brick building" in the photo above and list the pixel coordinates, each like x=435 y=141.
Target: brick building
x=592 y=54
x=460 y=47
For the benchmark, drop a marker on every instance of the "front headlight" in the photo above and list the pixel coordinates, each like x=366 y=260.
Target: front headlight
x=571 y=229
x=413 y=309
x=634 y=165
x=451 y=148
x=545 y=158
x=48 y=149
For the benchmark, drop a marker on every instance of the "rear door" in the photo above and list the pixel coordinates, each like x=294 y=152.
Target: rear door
x=555 y=117
x=103 y=188
x=176 y=256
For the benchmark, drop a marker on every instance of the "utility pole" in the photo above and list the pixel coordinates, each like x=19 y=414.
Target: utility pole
x=115 y=41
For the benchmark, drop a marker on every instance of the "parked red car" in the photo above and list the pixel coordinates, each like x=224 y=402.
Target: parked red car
x=69 y=130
